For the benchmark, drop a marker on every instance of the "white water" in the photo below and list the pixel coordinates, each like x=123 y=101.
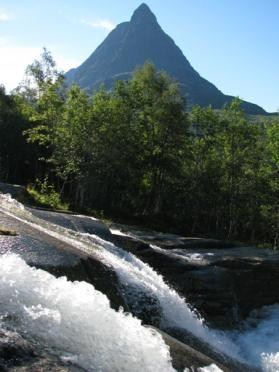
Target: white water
x=77 y=319
x=259 y=340
x=258 y=346
x=131 y=271
x=211 y=368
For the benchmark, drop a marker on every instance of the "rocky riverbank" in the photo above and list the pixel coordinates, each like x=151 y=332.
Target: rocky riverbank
x=221 y=281
x=224 y=282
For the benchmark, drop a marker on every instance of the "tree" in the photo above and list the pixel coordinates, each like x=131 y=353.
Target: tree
x=202 y=171
x=41 y=101
x=161 y=121
x=133 y=145
x=39 y=76
x=15 y=155
x=134 y=150
x=270 y=172
x=70 y=142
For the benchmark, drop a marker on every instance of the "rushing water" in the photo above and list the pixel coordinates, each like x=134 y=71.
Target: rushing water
x=77 y=319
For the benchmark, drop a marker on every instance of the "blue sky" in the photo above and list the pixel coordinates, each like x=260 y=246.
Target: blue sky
x=233 y=44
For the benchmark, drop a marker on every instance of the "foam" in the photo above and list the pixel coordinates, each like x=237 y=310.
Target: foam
x=77 y=321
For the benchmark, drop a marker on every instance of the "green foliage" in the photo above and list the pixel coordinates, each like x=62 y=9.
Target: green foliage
x=135 y=151
x=16 y=158
x=232 y=175
x=44 y=194
x=138 y=132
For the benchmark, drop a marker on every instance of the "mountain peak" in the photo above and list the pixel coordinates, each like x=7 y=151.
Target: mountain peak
x=143 y=14
x=142 y=39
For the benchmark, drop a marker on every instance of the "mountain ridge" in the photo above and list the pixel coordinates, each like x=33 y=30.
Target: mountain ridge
x=130 y=45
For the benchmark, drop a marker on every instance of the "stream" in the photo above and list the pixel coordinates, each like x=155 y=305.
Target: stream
x=77 y=323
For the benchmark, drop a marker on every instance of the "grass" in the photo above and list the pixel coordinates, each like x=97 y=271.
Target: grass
x=44 y=195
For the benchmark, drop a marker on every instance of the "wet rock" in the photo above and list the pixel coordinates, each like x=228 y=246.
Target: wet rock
x=143 y=305
x=74 y=222
x=94 y=272
x=43 y=251
x=183 y=356
x=130 y=244
x=181 y=242
x=173 y=241
x=20 y=355
x=223 y=284
x=199 y=352
x=14 y=349
x=4 y=231
x=16 y=191
x=192 y=353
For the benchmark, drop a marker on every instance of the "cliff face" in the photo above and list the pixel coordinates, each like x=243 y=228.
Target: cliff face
x=142 y=39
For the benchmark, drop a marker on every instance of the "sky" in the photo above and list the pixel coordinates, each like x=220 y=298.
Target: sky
x=233 y=44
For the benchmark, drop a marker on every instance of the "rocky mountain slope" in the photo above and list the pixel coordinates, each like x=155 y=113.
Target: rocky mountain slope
x=142 y=39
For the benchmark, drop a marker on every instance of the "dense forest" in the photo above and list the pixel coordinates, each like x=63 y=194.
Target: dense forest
x=136 y=151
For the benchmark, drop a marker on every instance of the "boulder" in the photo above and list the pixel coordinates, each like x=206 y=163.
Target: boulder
x=89 y=225
x=16 y=191
x=187 y=351
x=20 y=355
x=4 y=231
x=224 y=283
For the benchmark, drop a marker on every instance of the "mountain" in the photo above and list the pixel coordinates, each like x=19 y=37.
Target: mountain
x=142 y=39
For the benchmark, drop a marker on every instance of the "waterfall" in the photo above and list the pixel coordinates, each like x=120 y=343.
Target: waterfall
x=75 y=318
x=56 y=301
